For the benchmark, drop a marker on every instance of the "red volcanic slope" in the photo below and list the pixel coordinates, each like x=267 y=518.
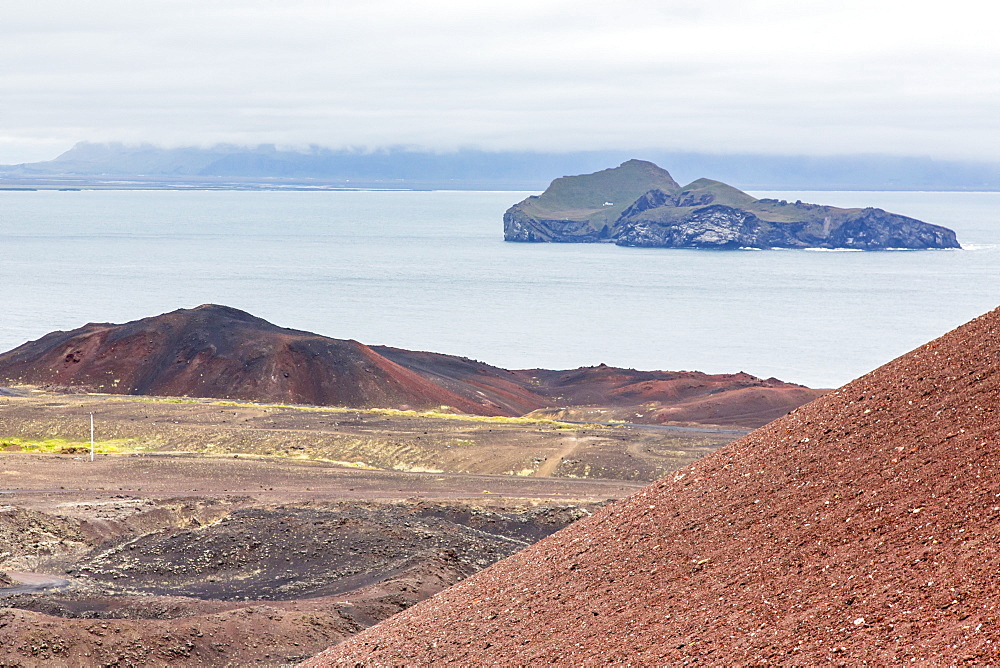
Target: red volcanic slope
x=217 y=351
x=674 y=396
x=752 y=406
x=624 y=387
x=862 y=529
x=461 y=375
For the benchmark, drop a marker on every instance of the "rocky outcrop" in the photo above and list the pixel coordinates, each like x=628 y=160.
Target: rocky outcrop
x=519 y=225
x=724 y=227
x=707 y=214
x=714 y=226
x=875 y=228
x=583 y=208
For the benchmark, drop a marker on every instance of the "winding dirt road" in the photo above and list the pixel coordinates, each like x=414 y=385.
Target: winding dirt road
x=550 y=465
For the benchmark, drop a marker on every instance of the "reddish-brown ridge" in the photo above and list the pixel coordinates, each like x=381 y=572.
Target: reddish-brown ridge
x=218 y=351
x=862 y=529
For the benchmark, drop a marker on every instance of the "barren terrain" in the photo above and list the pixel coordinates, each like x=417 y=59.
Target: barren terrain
x=222 y=352
x=861 y=529
x=213 y=532
x=231 y=581
x=376 y=439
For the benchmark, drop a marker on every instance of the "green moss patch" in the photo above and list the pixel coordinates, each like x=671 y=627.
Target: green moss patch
x=63 y=446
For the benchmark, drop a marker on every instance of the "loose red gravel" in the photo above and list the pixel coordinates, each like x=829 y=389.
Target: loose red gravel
x=860 y=529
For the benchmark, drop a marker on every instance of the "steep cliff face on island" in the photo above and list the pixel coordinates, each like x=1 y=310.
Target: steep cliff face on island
x=583 y=208
x=710 y=214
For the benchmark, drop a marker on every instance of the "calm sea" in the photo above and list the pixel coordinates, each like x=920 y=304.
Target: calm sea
x=430 y=271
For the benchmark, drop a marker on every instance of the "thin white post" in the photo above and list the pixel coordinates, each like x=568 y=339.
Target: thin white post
x=91 y=437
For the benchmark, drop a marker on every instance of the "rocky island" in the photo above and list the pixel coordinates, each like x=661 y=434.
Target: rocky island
x=640 y=204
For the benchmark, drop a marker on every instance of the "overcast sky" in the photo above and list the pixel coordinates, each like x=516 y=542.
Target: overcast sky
x=770 y=76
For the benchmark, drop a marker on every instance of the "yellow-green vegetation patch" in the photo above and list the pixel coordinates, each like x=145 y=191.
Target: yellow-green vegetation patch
x=162 y=400
x=443 y=414
x=230 y=403
x=64 y=446
x=409 y=468
x=496 y=419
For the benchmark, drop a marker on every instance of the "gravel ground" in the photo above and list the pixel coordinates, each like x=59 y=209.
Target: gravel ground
x=231 y=582
x=862 y=529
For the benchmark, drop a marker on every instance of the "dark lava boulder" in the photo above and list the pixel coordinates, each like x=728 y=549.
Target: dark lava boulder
x=583 y=208
x=703 y=214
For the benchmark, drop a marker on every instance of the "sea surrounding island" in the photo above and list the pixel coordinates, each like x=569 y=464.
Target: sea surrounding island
x=229 y=527
x=429 y=271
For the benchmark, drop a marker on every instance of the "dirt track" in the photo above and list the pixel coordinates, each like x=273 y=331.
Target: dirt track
x=27 y=480
x=223 y=534
x=32 y=583
x=246 y=558
x=389 y=440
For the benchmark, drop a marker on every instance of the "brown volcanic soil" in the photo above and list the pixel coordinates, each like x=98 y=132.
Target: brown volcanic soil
x=656 y=397
x=387 y=440
x=863 y=528
x=602 y=393
x=144 y=533
x=45 y=483
x=208 y=581
x=140 y=535
x=217 y=351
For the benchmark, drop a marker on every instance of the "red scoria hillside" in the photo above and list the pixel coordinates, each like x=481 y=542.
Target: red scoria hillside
x=862 y=529
x=217 y=351
x=736 y=399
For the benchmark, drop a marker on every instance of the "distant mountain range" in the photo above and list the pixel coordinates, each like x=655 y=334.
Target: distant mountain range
x=228 y=166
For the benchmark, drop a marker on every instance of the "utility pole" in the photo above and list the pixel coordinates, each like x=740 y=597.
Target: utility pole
x=91 y=437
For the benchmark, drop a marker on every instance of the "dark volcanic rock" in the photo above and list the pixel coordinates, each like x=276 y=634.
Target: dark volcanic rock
x=707 y=214
x=714 y=226
x=293 y=552
x=213 y=582
x=862 y=529
x=875 y=228
x=724 y=227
